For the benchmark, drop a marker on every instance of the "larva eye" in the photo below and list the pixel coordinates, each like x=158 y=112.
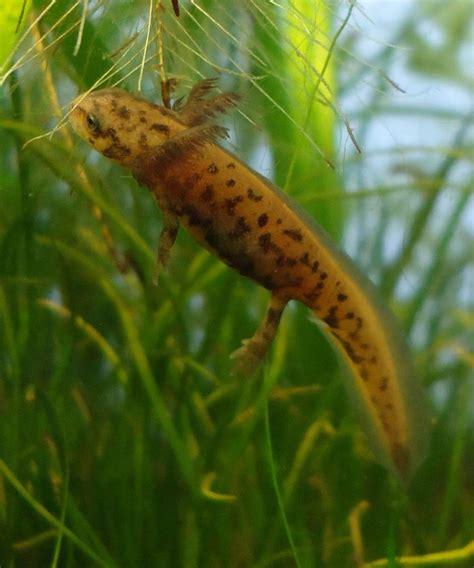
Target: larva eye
x=92 y=122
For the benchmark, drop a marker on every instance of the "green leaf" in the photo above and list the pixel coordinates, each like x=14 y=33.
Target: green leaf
x=12 y=20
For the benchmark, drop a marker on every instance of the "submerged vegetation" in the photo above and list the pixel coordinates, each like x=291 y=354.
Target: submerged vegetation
x=124 y=439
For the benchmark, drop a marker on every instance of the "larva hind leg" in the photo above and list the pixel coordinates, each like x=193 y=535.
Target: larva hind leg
x=248 y=357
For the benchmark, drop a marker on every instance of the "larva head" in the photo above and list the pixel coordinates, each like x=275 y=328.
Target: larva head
x=121 y=126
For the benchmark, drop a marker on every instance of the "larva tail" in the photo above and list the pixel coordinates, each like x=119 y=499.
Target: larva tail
x=383 y=387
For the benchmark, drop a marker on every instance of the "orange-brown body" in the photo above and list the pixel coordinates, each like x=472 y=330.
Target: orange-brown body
x=248 y=223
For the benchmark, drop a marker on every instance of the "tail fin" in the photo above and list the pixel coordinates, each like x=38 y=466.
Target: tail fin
x=384 y=389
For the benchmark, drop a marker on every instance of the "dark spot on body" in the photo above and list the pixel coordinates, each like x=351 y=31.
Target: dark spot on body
x=351 y=352
x=383 y=384
x=117 y=152
x=350 y=315
x=355 y=334
x=253 y=196
x=314 y=266
x=208 y=193
x=212 y=168
x=332 y=319
x=241 y=227
x=323 y=275
x=341 y=297
x=163 y=128
x=195 y=219
x=305 y=259
x=143 y=120
x=262 y=220
x=265 y=242
x=277 y=250
x=230 y=204
x=231 y=166
x=315 y=291
x=279 y=221
x=123 y=112
x=320 y=285
x=143 y=139
x=373 y=360
x=364 y=375
x=294 y=234
x=230 y=182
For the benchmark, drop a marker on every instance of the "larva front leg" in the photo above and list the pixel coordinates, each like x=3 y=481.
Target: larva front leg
x=166 y=240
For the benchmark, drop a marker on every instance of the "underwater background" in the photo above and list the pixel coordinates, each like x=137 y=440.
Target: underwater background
x=124 y=438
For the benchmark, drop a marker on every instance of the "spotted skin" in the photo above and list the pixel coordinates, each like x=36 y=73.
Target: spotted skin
x=253 y=227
